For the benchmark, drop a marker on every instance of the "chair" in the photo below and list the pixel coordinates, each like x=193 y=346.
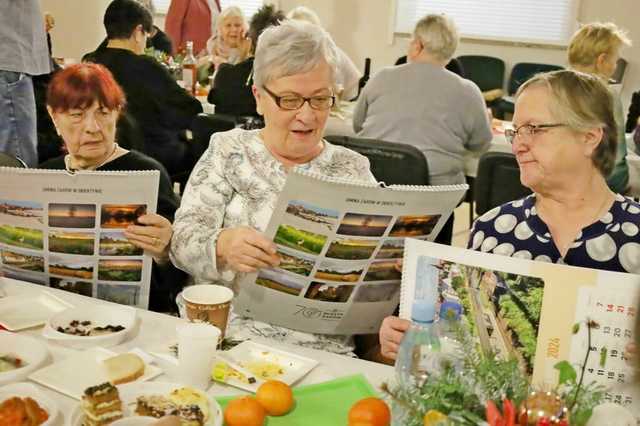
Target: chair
x=497 y=181
x=391 y=163
x=487 y=72
x=618 y=73
x=520 y=73
x=9 y=161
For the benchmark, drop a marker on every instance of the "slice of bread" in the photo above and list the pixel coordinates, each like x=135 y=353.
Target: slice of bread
x=124 y=368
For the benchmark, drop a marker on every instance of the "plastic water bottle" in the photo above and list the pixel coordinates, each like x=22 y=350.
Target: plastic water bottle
x=419 y=356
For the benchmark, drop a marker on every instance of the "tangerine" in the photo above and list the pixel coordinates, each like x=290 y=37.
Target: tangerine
x=244 y=411
x=276 y=397
x=369 y=412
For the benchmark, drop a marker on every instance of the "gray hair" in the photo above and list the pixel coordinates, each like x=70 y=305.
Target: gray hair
x=294 y=47
x=583 y=102
x=439 y=36
x=302 y=13
x=230 y=12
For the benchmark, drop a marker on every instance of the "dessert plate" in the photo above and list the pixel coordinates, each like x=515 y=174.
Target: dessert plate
x=264 y=363
x=130 y=391
x=74 y=374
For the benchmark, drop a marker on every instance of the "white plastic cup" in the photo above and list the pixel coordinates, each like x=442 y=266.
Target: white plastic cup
x=197 y=344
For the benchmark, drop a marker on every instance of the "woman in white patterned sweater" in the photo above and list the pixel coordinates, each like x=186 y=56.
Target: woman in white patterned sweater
x=233 y=189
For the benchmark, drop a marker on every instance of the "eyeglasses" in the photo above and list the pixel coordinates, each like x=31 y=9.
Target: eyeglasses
x=527 y=131
x=294 y=102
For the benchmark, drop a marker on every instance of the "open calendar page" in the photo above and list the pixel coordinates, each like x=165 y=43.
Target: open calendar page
x=340 y=243
x=533 y=311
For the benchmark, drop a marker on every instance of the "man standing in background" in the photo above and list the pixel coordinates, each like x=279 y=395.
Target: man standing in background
x=23 y=53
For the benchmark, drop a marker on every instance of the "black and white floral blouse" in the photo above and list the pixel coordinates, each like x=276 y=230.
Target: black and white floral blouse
x=236 y=183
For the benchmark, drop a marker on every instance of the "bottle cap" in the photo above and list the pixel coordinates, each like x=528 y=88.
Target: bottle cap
x=423 y=311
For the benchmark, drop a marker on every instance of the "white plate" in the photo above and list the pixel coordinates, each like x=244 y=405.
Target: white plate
x=130 y=391
x=73 y=375
x=32 y=352
x=99 y=315
x=294 y=366
x=27 y=389
x=20 y=312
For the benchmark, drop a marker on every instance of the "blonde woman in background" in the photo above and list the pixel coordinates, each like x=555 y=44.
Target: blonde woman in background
x=595 y=49
x=348 y=74
x=229 y=44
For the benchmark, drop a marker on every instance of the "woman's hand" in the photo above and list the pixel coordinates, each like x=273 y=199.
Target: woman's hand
x=244 y=249
x=391 y=334
x=631 y=353
x=152 y=235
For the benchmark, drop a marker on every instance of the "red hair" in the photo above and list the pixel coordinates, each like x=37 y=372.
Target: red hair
x=80 y=85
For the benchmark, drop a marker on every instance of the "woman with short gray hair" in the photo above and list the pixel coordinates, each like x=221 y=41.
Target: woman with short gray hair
x=233 y=189
x=423 y=104
x=564 y=139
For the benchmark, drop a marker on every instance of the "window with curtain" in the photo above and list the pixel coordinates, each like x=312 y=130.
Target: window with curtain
x=549 y=22
x=249 y=7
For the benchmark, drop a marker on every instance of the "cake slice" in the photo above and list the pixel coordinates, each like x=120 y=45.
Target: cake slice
x=124 y=368
x=101 y=405
x=155 y=406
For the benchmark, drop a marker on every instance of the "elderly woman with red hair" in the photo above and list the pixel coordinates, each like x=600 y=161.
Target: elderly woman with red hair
x=84 y=102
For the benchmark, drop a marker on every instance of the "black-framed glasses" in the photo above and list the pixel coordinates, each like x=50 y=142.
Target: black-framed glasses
x=527 y=131
x=293 y=102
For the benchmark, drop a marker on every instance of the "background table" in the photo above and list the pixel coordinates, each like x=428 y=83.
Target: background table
x=154 y=329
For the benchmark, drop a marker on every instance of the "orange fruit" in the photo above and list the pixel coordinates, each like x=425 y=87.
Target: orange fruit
x=276 y=397
x=369 y=412
x=244 y=411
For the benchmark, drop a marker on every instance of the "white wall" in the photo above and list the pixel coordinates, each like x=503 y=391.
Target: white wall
x=362 y=28
x=79 y=27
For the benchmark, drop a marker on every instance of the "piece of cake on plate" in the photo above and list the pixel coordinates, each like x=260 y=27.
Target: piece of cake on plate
x=101 y=405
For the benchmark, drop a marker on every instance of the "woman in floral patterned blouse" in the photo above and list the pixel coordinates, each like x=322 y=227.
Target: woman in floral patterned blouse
x=234 y=187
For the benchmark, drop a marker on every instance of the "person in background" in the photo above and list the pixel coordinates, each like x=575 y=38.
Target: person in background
x=348 y=74
x=189 y=20
x=454 y=65
x=424 y=105
x=23 y=54
x=564 y=137
x=232 y=86
x=230 y=196
x=595 y=49
x=84 y=102
x=228 y=45
x=633 y=116
x=161 y=109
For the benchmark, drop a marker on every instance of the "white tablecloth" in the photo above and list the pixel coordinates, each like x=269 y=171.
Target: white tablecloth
x=156 y=329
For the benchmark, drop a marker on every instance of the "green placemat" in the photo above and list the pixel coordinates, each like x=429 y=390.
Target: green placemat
x=321 y=404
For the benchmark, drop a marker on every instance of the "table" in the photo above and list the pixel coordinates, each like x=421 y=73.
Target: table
x=340 y=123
x=155 y=329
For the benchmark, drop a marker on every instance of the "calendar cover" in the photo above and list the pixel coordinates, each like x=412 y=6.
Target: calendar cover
x=66 y=231
x=534 y=312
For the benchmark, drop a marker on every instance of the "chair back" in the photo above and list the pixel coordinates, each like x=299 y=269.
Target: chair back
x=618 y=73
x=497 y=181
x=485 y=71
x=391 y=163
x=523 y=71
x=204 y=125
x=7 y=160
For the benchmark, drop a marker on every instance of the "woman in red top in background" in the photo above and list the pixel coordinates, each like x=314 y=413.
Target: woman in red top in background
x=190 y=20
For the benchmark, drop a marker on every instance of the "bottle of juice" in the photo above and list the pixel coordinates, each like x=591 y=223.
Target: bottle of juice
x=189 y=78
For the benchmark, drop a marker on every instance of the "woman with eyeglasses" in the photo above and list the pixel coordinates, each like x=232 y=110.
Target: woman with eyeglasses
x=564 y=138
x=233 y=189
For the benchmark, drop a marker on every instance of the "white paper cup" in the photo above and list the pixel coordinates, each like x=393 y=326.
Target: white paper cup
x=208 y=303
x=197 y=344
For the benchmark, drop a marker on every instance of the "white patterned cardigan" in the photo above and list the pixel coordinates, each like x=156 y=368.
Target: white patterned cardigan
x=237 y=182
